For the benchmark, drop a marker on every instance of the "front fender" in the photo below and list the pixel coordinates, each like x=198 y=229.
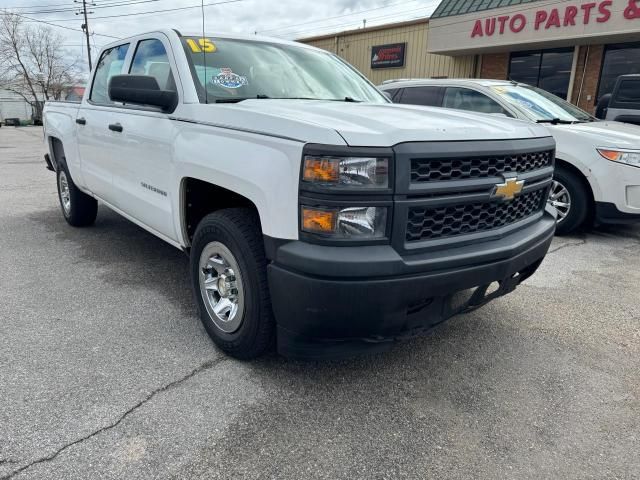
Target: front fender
x=580 y=153
x=261 y=168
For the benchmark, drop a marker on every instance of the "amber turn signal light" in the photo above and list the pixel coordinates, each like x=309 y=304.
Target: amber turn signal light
x=612 y=155
x=318 y=221
x=321 y=170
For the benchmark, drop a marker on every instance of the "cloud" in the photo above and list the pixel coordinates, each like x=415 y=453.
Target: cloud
x=290 y=19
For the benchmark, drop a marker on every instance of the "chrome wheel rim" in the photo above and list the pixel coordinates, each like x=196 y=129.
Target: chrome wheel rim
x=65 y=194
x=221 y=287
x=560 y=199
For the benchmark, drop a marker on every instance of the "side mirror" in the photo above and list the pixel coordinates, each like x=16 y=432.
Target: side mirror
x=141 y=90
x=603 y=106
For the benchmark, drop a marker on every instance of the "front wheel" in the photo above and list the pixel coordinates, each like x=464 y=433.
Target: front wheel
x=569 y=197
x=229 y=276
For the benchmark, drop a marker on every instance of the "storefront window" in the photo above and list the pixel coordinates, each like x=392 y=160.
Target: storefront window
x=620 y=59
x=547 y=69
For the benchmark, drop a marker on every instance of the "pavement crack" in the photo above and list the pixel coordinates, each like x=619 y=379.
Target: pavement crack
x=567 y=245
x=205 y=366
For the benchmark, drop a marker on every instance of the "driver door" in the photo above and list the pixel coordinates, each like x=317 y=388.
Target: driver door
x=143 y=179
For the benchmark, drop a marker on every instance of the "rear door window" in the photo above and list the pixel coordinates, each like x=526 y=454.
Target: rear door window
x=471 y=100
x=110 y=64
x=425 y=96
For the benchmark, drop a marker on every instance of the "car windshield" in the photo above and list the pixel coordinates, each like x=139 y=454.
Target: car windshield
x=229 y=70
x=540 y=105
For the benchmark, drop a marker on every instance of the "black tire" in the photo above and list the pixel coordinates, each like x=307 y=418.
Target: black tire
x=579 y=201
x=238 y=230
x=83 y=209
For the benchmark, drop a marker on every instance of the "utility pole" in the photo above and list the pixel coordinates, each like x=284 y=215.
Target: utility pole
x=85 y=27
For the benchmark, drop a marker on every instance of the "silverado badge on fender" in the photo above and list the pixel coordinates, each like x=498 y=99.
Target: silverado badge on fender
x=509 y=189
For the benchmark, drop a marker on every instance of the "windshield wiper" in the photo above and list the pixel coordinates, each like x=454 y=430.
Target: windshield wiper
x=554 y=121
x=240 y=99
x=260 y=97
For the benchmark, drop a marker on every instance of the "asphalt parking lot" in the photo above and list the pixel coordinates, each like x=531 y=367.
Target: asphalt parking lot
x=106 y=371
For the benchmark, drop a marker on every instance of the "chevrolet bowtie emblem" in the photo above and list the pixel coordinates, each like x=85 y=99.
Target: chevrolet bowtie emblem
x=509 y=189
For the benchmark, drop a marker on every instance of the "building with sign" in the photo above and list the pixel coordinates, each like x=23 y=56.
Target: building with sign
x=575 y=49
x=405 y=42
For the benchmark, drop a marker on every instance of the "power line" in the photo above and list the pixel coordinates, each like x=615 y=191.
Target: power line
x=355 y=22
x=337 y=16
x=35 y=6
x=153 y=12
x=117 y=3
x=61 y=26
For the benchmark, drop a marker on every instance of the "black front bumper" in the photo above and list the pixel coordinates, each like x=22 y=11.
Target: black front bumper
x=608 y=214
x=337 y=301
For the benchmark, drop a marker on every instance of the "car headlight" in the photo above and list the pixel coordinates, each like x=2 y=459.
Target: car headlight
x=630 y=157
x=357 y=173
x=357 y=223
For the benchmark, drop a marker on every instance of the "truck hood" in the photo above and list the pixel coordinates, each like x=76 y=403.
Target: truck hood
x=366 y=124
x=599 y=134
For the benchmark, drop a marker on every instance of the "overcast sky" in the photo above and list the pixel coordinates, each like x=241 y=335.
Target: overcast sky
x=292 y=19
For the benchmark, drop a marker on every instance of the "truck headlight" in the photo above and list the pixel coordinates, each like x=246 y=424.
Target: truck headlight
x=366 y=173
x=363 y=223
x=630 y=157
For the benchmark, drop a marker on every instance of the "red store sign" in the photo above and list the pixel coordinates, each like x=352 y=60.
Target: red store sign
x=569 y=16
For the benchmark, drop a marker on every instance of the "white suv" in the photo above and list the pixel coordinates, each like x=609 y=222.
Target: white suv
x=597 y=175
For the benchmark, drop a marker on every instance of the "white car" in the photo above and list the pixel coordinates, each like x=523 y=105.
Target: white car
x=316 y=213
x=597 y=162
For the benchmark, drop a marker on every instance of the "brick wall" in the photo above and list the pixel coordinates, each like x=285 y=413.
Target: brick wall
x=591 y=77
x=495 y=66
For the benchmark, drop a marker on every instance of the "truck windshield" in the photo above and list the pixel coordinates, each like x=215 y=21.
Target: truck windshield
x=540 y=105
x=228 y=70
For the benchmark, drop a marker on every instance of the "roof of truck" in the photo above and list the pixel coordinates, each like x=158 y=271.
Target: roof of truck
x=212 y=34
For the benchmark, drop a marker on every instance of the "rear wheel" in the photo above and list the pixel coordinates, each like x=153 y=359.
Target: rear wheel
x=229 y=276
x=78 y=208
x=570 y=198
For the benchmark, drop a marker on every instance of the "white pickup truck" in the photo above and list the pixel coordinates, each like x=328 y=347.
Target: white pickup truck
x=316 y=213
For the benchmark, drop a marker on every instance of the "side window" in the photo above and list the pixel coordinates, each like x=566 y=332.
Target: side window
x=110 y=64
x=425 y=96
x=391 y=92
x=628 y=92
x=467 y=99
x=151 y=59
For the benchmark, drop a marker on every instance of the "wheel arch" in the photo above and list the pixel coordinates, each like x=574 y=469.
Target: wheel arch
x=560 y=163
x=199 y=198
x=56 y=150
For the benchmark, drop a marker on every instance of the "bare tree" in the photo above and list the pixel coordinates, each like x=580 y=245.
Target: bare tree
x=33 y=63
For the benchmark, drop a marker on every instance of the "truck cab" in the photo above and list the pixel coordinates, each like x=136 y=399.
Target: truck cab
x=318 y=216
